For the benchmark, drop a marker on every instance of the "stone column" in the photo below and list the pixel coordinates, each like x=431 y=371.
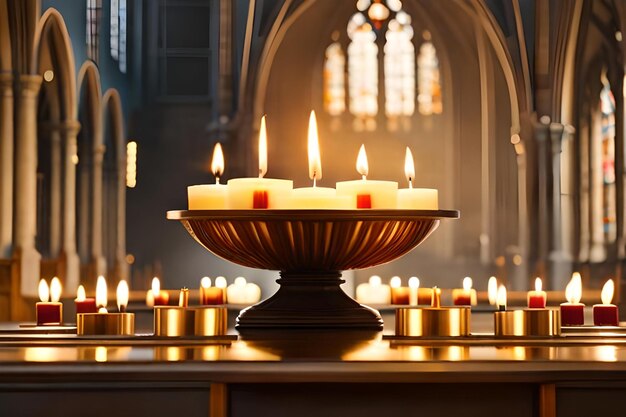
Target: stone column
x=55 y=191
x=27 y=259
x=6 y=164
x=99 y=262
x=543 y=237
x=121 y=267
x=69 y=262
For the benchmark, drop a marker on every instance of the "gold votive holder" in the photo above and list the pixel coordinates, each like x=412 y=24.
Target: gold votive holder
x=530 y=322
x=171 y=321
x=433 y=321
x=105 y=324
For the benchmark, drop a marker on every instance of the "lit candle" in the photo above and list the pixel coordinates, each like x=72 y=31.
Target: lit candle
x=243 y=292
x=399 y=294
x=210 y=196
x=258 y=193
x=373 y=292
x=492 y=290
x=210 y=295
x=573 y=311
x=537 y=298
x=156 y=297
x=84 y=304
x=102 y=294
x=416 y=198
x=122 y=293
x=103 y=322
x=49 y=311
x=501 y=298
x=414 y=285
x=465 y=296
x=315 y=197
x=364 y=193
x=606 y=314
x=220 y=282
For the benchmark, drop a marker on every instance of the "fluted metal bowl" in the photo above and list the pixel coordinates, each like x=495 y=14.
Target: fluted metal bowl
x=310 y=248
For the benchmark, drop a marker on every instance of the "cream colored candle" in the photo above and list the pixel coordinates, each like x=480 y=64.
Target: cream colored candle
x=243 y=292
x=366 y=193
x=261 y=193
x=210 y=196
x=373 y=292
x=416 y=198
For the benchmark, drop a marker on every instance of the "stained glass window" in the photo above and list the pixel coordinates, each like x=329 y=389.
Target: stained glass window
x=94 y=10
x=399 y=70
x=118 y=32
x=334 y=80
x=122 y=35
x=607 y=109
x=428 y=79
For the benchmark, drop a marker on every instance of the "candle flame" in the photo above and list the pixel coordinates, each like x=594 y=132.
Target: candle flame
x=217 y=164
x=262 y=149
x=44 y=291
x=414 y=282
x=395 y=282
x=492 y=290
x=80 y=293
x=122 y=296
x=205 y=282
x=220 y=282
x=467 y=283
x=375 y=281
x=55 y=290
x=501 y=298
x=240 y=281
x=315 y=160
x=101 y=292
x=538 y=284
x=361 y=162
x=409 y=167
x=607 y=292
x=156 y=286
x=574 y=289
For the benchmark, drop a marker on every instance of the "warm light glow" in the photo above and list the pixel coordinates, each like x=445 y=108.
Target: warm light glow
x=48 y=75
x=414 y=282
x=156 y=287
x=375 y=281
x=217 y=164
x=378 y=11
x=101 y=292
x=467 y=283
x=315 y=160
x=80 y=293
x=395 y=282
x=492 y=290
x=55 y=290
x=44 y=291
x=574 y=289
x=220 y=282
x=131 y=164
x=361 y=162
x=122 y=296
x=409 y=167
x=501 y=298
x=101 y=354
x=240 y=282
x=538 y=284
x=607 y=292
x=262 y=149
x=205 y=282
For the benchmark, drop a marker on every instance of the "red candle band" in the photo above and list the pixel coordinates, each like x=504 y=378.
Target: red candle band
x=400 y=296
x=162 y=299
x=572 y=314
x=88 y=305
x=463 y=300
x=211 y=296
x=49 y=313
x=363 y=201
x=605 y=315
x=260 y=199
x=536 y=301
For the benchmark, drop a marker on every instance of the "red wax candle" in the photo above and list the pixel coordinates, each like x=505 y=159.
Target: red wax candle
x=572 y=314
x=465 y=296
x=49 y=313
x=463 y=300
x=605 y=315
x=400 y=295
x=537 y=298
x=211 y=296
x=161 y=299
x=88 y=305
x=364 y=201
x=260 y=199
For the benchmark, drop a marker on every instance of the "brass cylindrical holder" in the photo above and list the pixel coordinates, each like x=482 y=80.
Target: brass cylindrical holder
x=105 y=324
x=433 y=321
x=190 y=321
x=542 y=322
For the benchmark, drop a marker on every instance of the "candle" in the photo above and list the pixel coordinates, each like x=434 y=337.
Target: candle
x=399 y=294
x=606 y=314
x=435 y=301
x=243 y=292
x=414 y=284
x=573 y=311
x=210 y=196
x=415 y=198
x=501 y=298
x=373 y=292
x=364 y=193
x=465 y=296
x=101 y=294
x=220 y=282
x=84 y=304
x=492 y=290
x=122 y=296
x=258 y=193
x=537 y=298
x=49 y=311
x=156 y=297
x=424 y=295
x=210 y=295
x=315 y=197
x=103 y=322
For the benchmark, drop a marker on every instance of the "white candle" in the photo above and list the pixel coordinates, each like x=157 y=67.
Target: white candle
x=243 y=292
x=492 y=290
x=210 y=196
x=366 y=193
x=373 y=292
x=263 y=193
x=416 y=198
x=414 y=285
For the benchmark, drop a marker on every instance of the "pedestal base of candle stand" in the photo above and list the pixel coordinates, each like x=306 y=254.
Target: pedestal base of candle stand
x=309 y=300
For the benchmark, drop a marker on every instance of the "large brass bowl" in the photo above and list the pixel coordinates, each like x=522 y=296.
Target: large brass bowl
x=310 y=248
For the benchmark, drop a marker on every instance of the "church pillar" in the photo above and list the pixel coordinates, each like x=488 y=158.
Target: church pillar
x=55 y=191
x=99 y=262
x=541 y=135
x=6 y=164
x=27 y=259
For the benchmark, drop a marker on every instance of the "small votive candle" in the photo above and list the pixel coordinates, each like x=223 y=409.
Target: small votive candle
x=399 y=294
x=84 y=304
x=373 y=292
x=537 y=298
x=156 y=297
x=573 y=311
x=49 y=311
x=606 y=314
x=210 y=295
x=243 y=292
x=465 y=296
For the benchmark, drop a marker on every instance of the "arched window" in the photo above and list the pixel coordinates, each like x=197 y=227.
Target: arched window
x=399 y=70
x=94 y=9
x=607 y=110
x=428 y=81
x=334 y=80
